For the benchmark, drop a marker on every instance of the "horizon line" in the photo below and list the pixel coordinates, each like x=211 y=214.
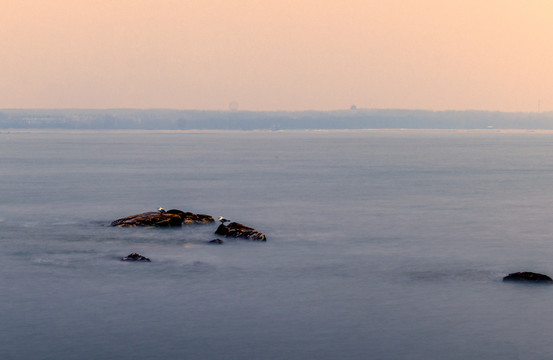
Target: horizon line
x=357 y=109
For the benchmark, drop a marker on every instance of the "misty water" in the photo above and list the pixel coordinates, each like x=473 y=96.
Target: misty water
x=381 y=245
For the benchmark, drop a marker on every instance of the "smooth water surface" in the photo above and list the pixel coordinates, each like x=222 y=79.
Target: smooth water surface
x=381 y=245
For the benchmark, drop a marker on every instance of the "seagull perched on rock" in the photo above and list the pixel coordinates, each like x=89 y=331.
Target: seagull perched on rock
x=223 y=220
x=161 y=210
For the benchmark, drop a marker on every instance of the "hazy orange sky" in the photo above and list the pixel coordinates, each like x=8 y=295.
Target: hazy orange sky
x=277 y=54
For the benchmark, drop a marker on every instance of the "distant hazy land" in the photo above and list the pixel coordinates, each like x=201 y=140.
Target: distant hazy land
x=159 y=119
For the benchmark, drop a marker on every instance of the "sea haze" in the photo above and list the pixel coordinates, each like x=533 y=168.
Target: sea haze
x=383 y=244
x=159 y=119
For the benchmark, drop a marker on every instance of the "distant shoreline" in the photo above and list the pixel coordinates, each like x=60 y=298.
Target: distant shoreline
x=314 y=131
x=361 y=119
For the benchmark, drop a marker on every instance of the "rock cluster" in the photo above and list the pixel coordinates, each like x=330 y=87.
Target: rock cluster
x=237 y=230
x=176 y=218
x=170 y=218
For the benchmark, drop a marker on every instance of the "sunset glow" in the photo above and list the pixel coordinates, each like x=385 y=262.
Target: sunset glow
x=277 y=55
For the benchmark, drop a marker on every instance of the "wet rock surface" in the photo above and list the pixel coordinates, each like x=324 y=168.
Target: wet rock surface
x=238 y=230
x=170 y=218
x=527 y=276
x=191 y=218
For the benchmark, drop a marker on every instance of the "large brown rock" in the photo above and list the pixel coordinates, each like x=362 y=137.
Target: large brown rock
x=171 y=218
x=191 y=218
x=237 y=230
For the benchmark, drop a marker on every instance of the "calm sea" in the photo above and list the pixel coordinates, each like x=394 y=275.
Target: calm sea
x=381 y=245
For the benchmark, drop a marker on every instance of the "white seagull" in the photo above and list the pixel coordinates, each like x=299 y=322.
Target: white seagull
x=223 y=220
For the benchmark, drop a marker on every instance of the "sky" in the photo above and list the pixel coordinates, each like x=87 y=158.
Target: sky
x=277 y=54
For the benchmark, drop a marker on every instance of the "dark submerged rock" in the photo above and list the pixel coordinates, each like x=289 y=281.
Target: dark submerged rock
x=216 y=241
x=135 y=257
x=237 y=230
x=527 y=276
x=170 y=218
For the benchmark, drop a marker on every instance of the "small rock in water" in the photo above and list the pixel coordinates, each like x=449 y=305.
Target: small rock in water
x=216 y=241
x=527 y=276
x=237 y=230
x=135 y=257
